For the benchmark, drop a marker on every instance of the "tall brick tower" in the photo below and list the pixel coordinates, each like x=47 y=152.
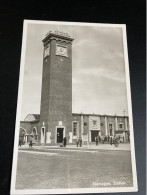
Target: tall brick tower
x=56 y=97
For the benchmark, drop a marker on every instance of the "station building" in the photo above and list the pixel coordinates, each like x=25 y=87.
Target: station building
x=86 y=126
x=56 y=117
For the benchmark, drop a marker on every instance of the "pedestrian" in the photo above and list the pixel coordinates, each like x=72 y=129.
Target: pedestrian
x=111 y=140
x=19 y=143
x=30 y=145
x=64 y=142
x=77 y=142
x=128 y=138
x=80 y=142
x=58 y=138
x=103 y=140
x=96 y=141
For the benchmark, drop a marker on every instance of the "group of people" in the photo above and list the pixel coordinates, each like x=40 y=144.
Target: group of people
x=64 y=141
x=30 y=142
x=110 y=139
x=79 y=142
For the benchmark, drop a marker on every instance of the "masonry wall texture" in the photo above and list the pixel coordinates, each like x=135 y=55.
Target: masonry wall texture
x=56 y=97
x=28 y=126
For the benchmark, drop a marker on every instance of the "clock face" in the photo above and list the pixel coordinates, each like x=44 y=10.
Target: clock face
x=62 y=51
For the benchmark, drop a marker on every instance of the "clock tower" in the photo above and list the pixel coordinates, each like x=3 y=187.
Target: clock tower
x=56 y=95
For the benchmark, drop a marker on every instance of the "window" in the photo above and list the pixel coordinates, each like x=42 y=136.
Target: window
x=75 y=127
x=85 y=124
x=120 y=126
x=101 y=124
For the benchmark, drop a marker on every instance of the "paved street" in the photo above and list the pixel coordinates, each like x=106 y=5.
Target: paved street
x=122 y=146
x=49 y=168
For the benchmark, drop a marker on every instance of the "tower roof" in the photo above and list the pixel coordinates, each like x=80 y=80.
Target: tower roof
x=57 y=34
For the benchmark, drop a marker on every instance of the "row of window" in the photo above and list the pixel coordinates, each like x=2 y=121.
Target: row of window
x=75 y=127
x=110 y=125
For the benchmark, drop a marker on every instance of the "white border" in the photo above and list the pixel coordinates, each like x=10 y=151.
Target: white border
x=130 y=109
x=15 y=150
x=19 y=100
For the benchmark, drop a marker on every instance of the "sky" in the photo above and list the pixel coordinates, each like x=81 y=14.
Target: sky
x=98 y=69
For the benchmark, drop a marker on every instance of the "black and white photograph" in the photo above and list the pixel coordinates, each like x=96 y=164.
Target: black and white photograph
x=74 y=126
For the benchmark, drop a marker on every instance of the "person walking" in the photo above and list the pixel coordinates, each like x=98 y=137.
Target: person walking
x=103 y=140
x=111 y=140
x=58 y=139
x=19 y=143
x=80 y=142
x=77 y=142
x=30 y=145
x=64 y=142
x=96 y=141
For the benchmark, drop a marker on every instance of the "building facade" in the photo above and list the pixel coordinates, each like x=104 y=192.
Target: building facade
x=86 y=126
x=56 y=119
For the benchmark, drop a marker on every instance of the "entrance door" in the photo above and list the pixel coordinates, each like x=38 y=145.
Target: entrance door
x=59 y=135
x=94 y=134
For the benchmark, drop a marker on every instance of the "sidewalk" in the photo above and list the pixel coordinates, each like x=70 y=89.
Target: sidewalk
x=121 y=147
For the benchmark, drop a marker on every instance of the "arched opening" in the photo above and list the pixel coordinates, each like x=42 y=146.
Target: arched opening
x=22 y=135
x=34 y=135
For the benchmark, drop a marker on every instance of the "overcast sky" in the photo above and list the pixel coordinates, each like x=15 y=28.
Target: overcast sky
x=98 y=69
